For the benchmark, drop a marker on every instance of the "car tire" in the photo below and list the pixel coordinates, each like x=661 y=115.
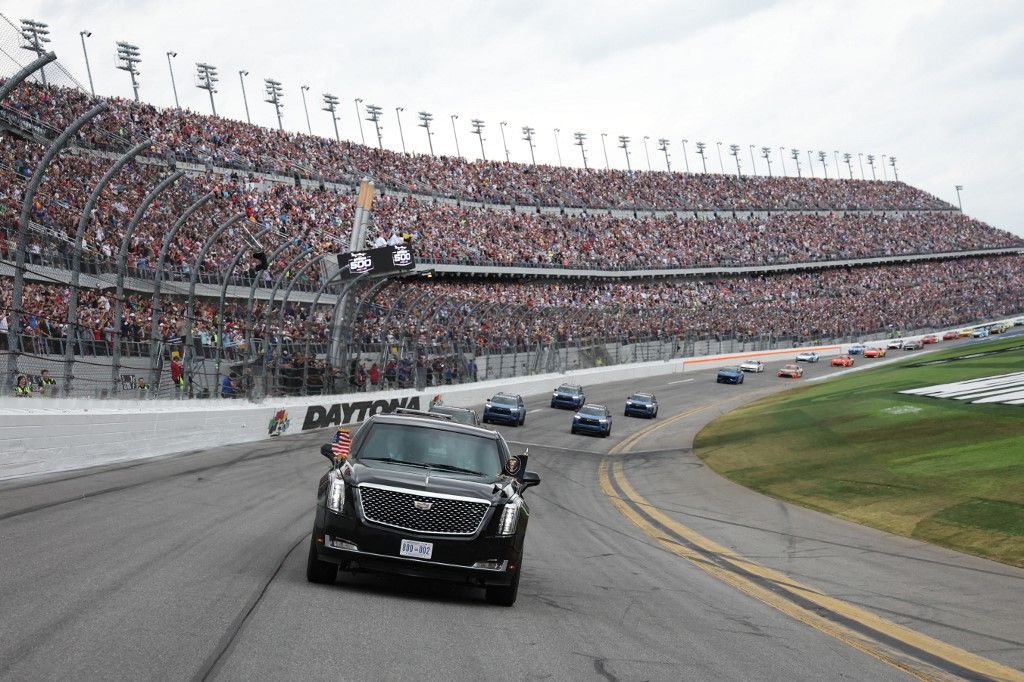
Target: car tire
x=572 y=430
x=607 y=433
x=504 y=595
x=522 y=420
x=320 y=572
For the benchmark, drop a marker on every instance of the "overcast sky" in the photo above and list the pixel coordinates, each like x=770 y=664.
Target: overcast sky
x=939 y=85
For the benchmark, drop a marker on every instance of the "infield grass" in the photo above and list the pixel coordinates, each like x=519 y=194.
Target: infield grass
x=943 y=471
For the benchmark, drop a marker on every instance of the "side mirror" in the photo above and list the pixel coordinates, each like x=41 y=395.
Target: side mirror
x=530 y=478
x=327 y=450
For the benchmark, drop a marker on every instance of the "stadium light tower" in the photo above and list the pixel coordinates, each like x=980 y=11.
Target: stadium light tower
x=359 y=119
x=824 y=166
x=860 y=161
x=721 y=165
x=36 y=35
x=958 y=202
x=604 y=148
x=795 y=155
x=528 y=136
x=753 y=164
x=455 y=132
x=305 y=108
x=663 y=147
x=647 y=152
x=835 y=155
x=624 y=145
x=206 y=79
x=885 y=173
x=478 y=130
x=274 y=93
x=810 y=163
x=782 y=156
x=425 y=119
x=170 y=70
x=846 y=157
x=895 y=173
x=373 y=116
x=245 y=100
x=401 y=134
x=501 y=128
x=580 y=139
x=88 y=70
x=871 y=165
x=734 y=149
x=766 y=153
x=130 y=57
x=686 y=161
x=558 y=149
x=331 y=107
x=703 y=159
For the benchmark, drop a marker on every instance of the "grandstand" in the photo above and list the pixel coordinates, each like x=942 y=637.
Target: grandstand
x=535 y=268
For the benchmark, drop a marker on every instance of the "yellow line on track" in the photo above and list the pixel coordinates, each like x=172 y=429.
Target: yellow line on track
x=650 y=515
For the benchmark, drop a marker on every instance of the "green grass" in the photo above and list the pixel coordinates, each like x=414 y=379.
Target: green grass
x=943 y=471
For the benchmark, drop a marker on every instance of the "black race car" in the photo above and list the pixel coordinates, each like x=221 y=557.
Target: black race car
x=427 y=497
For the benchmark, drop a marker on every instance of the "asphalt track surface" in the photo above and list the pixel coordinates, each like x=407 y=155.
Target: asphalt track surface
x=640 y=564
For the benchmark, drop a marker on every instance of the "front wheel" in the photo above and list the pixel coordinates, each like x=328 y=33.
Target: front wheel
x=504 y=595
x=317 y=571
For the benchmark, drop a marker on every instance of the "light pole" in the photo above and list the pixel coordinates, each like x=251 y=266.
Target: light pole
x=305 y=108
x=895 y=173
x=734 y=149
x=871 y=165
x=373 y=116
x=83 y=35
x=703 y=159
x=130 y=57
x=958 y=202
x=782 y=155
x=795 y=155
x=824 y=166
x=478 y=130
x=686 y=161
x=624 y=145
x=766 y=153
x=835 y=154
x=810 y=163
x=580 y=139
x=206 y=79
x=885 y=173
x=245 y=100
x=721 y=166
x=604 y=148
x=860 y=162
x=401 y=134
x=558 y=149
x=753 y=164
x=331 y=106
x=425 y=119
x=663 y=147
x=528 y=136
x=174 y=86
x=647 y=153
x=359 y=119
x=36 y=35
x=849 y=166
x=501 y=128
x=274 y=93
x=455 y=132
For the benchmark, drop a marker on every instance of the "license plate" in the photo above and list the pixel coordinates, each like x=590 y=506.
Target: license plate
x=417 y=550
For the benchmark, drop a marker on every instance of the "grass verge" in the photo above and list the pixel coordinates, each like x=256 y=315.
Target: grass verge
x=943 y=471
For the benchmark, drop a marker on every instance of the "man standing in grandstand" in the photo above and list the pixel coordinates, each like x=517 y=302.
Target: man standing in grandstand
x=177 y=372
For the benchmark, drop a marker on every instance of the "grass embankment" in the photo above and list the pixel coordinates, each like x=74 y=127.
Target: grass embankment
x=943 y=471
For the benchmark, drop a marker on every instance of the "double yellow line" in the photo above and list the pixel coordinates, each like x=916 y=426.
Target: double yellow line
x=915 y=653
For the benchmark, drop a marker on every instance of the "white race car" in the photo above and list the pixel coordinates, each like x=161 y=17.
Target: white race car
x=894 y=344
x=807 y=356
x=755 y=366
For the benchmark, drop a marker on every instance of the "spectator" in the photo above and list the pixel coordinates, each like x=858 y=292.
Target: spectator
x=22 y=389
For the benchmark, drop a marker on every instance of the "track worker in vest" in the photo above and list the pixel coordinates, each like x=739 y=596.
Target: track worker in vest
x=22 y=389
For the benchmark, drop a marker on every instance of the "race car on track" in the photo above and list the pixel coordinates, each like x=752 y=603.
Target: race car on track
x=966 y=332
x=427 y=497
x=506 y=408
x=855 y=349
x=791 y=371
x=913 y=344
x=807 y=356
x=592 y=418
x=641 y=405
x=568 y=395
x=842 y=361
x=755 y=366
x=894 y=344
x=1019 y=322
x=874 y=352
x=729 y=375
x=929 y=338
x=980 y=333
x=949 y=336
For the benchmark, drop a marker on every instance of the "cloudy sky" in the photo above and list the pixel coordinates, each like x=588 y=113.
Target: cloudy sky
x=937 y=84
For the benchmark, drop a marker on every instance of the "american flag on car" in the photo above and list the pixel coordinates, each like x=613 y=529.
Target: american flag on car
x=341 y=444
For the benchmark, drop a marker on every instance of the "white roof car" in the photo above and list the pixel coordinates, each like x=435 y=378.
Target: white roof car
x=752 y=366
x=895 y=343
x=807 y=356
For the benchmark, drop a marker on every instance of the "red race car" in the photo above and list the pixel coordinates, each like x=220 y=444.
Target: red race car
x=929 y=338
x=791 y=371
x=949 y=336
x=874 y=352
x=842 y=361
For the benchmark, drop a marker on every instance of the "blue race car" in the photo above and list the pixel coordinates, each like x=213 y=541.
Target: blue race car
x=568 y=395
x=596 y=419
x=730 y=375
x=855 y=349
x=505 y=408
x=641 y=405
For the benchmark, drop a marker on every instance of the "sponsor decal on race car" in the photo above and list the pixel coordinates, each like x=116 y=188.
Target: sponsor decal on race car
x=1007 y=389
x=320 y=416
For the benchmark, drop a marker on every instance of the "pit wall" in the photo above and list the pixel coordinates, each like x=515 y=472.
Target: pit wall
x=39 y=435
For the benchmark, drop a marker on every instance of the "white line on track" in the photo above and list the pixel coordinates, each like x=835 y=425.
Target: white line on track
x=539 y=409
x=681 y=381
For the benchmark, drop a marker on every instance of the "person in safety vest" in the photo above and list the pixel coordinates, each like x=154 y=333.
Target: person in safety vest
x=46 y=381
x=22 y=389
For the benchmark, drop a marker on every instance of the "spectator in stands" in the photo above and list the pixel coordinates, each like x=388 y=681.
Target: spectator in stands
x=22 y=389
x=227 y=385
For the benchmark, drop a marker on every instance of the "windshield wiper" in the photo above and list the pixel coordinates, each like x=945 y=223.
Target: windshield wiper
x=450 y=467
x=392 y=460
